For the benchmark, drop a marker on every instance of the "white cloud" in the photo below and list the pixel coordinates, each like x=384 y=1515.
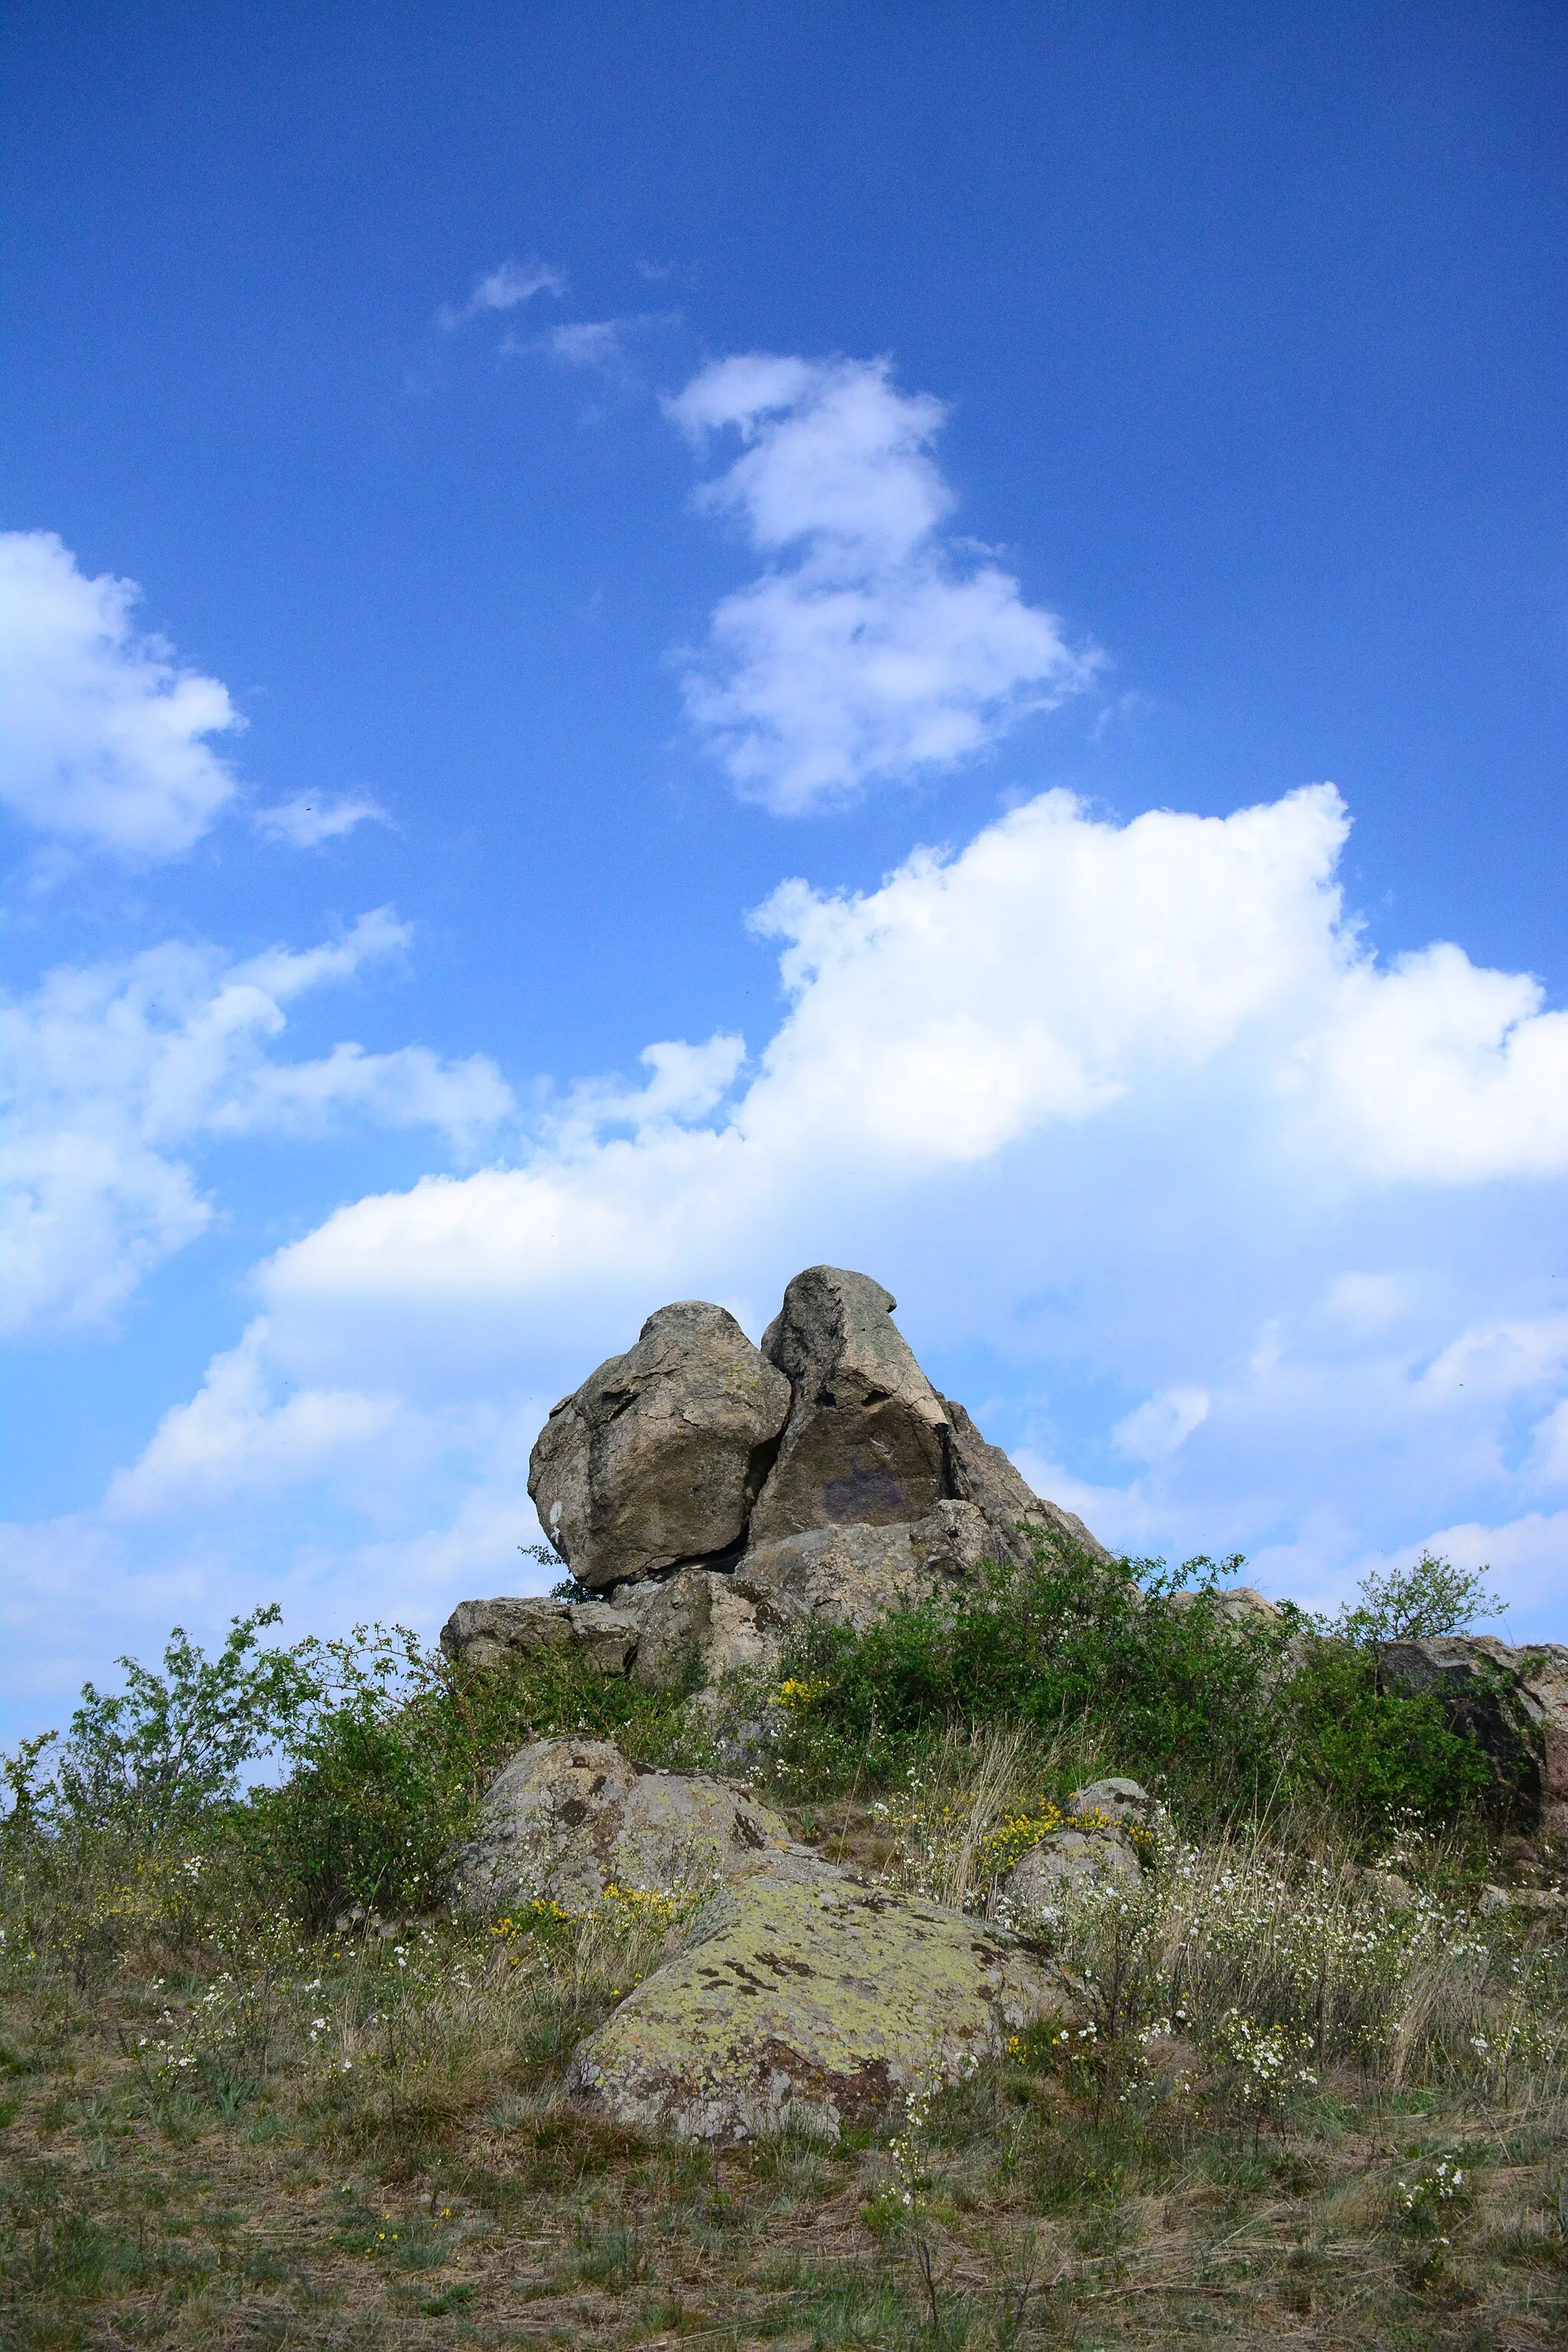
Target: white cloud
x=115 y=1073
x=1158 y=1426
x=875 y=644
x=587 y=344
x=506 y=288
x=1058 y=1089
x=306 y=823
x=105 y=736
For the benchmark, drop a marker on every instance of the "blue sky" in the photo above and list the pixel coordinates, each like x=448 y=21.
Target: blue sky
x=923 y=637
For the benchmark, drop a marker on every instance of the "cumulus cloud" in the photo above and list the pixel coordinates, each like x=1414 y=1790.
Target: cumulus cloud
x=306 y=823
x=1091 y=1097
x=103 y=735
x=506 y=288
x=876 y=645
x=117 y=1072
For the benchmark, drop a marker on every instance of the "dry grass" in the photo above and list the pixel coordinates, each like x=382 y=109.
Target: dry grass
x=218 y=2135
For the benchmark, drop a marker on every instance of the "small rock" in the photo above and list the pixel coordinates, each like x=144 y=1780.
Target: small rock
x=1066 y=1864
x=487 y=1632
x=1115 y=1800
x=654 y=1460
x=806 y=1997
x=566 y=1818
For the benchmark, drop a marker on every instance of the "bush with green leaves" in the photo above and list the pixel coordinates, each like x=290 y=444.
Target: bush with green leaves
x=1219 y=1713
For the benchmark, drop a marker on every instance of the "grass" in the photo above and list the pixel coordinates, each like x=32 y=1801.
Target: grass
x=1290 y=2109
x=244 y=2133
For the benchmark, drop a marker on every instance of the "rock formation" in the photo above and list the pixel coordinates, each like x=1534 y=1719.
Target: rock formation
x=719 y=1494
x=863 y=1444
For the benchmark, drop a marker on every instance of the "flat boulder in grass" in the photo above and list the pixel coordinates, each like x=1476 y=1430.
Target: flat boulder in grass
x=567 y=1819
x=807 y=1998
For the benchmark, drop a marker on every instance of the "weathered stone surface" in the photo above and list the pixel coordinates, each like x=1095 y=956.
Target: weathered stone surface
x=848 y=1576
x=567 y=1818
x=487 y=1632
x=698 y=1615
x=1513 y=1701
x=1068 y=1863
x=1115 y=1799
x=864 y=1442
x=980 y=1473
x=654 y=1460
x=1238 y=1604
x=807 y=1998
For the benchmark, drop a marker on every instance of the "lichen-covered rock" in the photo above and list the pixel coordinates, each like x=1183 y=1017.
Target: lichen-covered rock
x=847 y=1575
x=1512 y=1701
x=1064 y=1864
x=655 y=1459
x=864 y=1442
x=487 y=1632
x=807 y=1998
x=567 y=1818
x=981 y=1473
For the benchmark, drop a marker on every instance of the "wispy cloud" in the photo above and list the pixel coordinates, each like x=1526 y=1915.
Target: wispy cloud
x=506 y=288
x=103 y=734
x=117 y=1072
x=306 y=823
x=876 y=645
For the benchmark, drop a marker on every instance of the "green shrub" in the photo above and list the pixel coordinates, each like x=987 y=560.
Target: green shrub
x=389 y=1764
x=1220 y=1714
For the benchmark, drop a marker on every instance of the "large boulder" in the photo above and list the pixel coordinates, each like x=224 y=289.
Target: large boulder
x=490 y=1633
x=807 y=1998
x=1512 y=1701
x=863 y=1444
x=655 y=1459
x=568 y=1818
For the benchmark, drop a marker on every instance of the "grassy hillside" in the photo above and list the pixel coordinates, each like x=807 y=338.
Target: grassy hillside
x=259 y=2086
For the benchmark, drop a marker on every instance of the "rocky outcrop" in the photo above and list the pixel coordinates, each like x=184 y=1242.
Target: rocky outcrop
x=487 y=1632
x=848 y=1576
x=807 y=1998
x=568 y=1818
x=1512 y=1701
x=658 y=1457
x=863 y=1444
x=720 y=1495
